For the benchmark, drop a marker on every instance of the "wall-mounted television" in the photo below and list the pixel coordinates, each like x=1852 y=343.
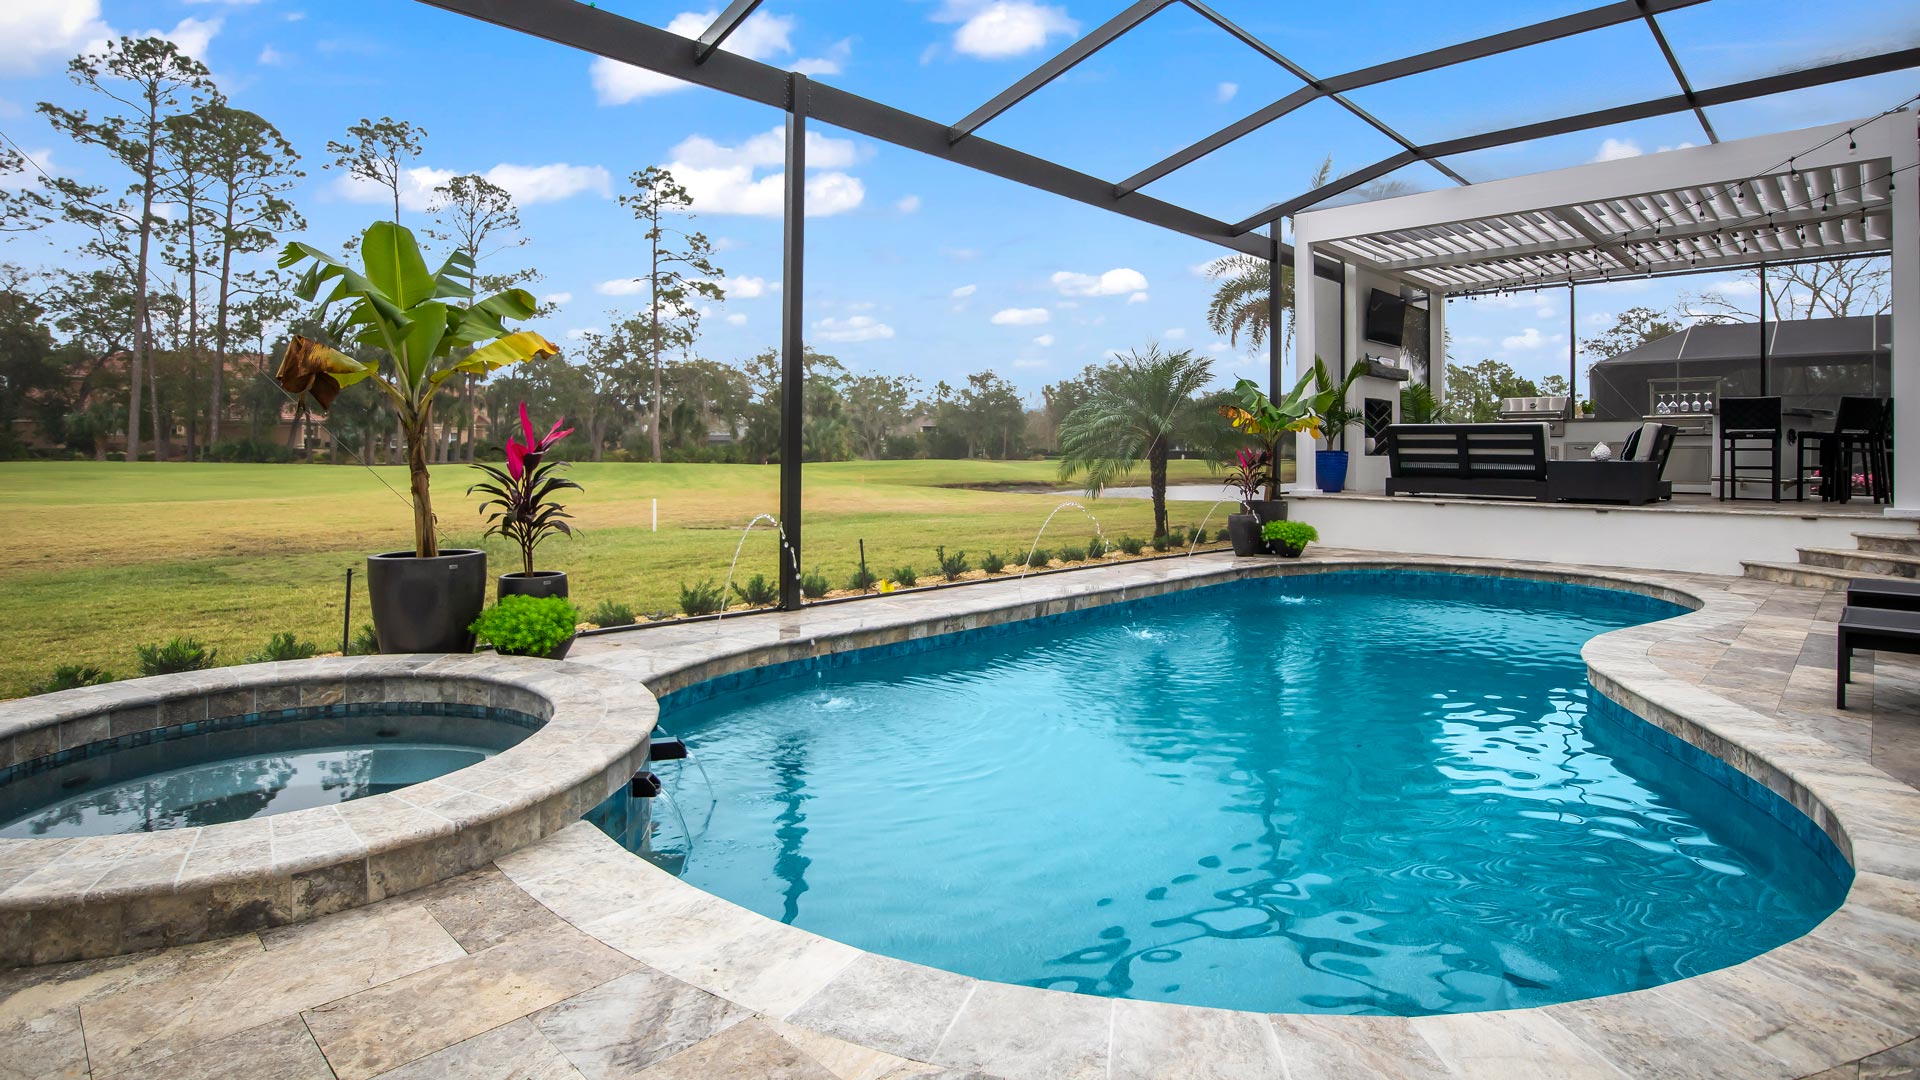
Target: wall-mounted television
x=1386 y=318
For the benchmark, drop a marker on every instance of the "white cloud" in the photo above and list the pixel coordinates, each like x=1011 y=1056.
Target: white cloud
x=1138 y=298
x=529 y=184
x=965 y=291
x=581 y=333
x=1175 y=334
x=621 y=287
x=744 y=287
x=908 y=205
x=271 y=56
x=1045 y=341
x=1030 y=316
x=1219 y=347
x=30 y=175
x=721 y=179
x=996 y=29
x=853 y=328
x=1225 y=92
x=191 y=36
x=52 y=31
x=1116 y=282
x=759 y=38
x=1617 y=149
x=736 y=319
x=557 y=298
x=832 y=63
x=1530 y=338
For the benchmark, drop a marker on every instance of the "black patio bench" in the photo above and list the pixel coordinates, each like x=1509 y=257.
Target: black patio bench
x=1503 y=460
x=1876 y=630
x=1900 y=595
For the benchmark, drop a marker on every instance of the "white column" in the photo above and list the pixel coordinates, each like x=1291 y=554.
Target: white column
x=1437 y=346
x=1305 y=284
x=1905 y=200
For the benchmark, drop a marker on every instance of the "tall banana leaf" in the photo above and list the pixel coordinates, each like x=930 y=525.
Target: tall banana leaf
x=427 y=321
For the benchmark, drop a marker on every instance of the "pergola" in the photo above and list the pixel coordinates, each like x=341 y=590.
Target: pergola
x=704 y=62
x=1818 y=193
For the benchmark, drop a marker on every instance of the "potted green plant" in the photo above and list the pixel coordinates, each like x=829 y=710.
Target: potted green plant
x=1335 y=414
x=1252 y=412
x=430 y=329
x=1248 y=473
x=1289 y=538
x=542 y=626
x=520 y=497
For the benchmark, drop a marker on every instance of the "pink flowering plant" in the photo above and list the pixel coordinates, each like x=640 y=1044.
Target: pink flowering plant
x=1250 y=471
x=520 y=504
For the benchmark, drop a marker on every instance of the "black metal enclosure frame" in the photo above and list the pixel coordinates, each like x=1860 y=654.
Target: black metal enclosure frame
x=705 y=63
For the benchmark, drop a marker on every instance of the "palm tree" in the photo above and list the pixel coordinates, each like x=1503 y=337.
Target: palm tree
x=1139 y=407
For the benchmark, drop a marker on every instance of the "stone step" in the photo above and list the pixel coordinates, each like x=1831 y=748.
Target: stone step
x=1886 y=563
x=1898 y=543
x=1809 y=577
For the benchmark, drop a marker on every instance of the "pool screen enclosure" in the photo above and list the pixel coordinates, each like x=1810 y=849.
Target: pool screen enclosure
x=705 y=62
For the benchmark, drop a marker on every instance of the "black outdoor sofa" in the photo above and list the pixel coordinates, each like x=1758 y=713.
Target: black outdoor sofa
x=1510 y=461
x=1880 y=616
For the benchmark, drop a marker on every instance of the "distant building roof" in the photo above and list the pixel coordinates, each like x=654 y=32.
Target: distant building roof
x=1791 y=339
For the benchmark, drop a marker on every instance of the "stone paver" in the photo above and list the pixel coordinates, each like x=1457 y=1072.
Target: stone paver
x=571 y=959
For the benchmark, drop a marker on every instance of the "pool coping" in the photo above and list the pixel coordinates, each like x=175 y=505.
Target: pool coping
x=1847 y=989
x=85 y=897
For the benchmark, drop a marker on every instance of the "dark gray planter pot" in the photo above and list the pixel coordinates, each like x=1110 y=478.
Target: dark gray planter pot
x=1244 y=531
x=426 y=605
x=542 y=583
x=558 y=652
x=1265 y=510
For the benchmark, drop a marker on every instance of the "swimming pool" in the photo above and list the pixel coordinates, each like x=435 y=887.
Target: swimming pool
x=1374 y=792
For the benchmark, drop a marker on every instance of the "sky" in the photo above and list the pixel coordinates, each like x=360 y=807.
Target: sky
x=916 y=266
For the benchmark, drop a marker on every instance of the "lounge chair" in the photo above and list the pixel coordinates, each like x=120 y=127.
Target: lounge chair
x=1633 y=477
x=1899 y=595
x=1876 y=630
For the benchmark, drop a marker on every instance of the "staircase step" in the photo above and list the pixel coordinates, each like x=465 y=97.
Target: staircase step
x=1810 y=577
x=1898 y=543
x=1887 y=563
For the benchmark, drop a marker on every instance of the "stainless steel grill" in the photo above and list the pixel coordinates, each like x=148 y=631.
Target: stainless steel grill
x=1549 y=407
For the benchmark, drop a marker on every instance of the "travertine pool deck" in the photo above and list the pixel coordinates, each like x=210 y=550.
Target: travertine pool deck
x=572 y=958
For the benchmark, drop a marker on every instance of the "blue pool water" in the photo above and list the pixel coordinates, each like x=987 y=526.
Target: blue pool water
x=1358 y=792
x=259 y=765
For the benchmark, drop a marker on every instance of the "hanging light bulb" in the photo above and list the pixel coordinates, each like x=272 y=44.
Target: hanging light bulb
x=1851 y=145
x=1795 y=174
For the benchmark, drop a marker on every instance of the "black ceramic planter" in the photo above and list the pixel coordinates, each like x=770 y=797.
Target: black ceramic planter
x=426 y=605
x=1244 y=531
x=1265 y=510
x=542 y=583
x=1286 y=552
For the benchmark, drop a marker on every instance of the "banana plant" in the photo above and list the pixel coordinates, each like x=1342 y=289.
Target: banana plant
x=396 y=306
x=1252 y=412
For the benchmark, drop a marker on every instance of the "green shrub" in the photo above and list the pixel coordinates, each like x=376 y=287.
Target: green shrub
x=905 y=577
x=611 y=614
x=1162 y=542
x=992 y=563
x=862 y=580
x=364 y=643
x=1177 y=538
x=258 y=450
x=180 y=654
x=758 y=591
x=702 y=598
x=1073 y=554
x=951 y=566
x=814 y=584
x=1290 y=534
x=69 y=677
x=1131 y=545
x=1199 y=536
x=527 y=625
x=1098 y=547
x=1038 y=558
x=284 y=647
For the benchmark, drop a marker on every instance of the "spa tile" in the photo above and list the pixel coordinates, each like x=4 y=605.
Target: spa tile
x=1513 y=1044
x=280 y=1050
x=1019 y=1031
x=620 y=1027
x=515 y=1051
x=767 y=966
x=749 y=1049
x=483 y=908
x=223 y=996
x=879 y=1001
x=1152 y=1039
x=407 y=1018
x=1354 y=1048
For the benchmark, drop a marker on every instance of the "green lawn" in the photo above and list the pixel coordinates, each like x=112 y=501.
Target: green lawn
x=109 y=555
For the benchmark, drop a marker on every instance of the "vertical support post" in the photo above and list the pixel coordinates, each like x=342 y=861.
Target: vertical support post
x=1305 y=330
x=792 y=339
x=1276 y=311
x=1903 y=198
x=1573 y=355
x=1437 y=346
x=1763 y=329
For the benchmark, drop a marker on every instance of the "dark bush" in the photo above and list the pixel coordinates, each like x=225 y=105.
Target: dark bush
x=1131 y=545
x=69 y=677
x=702 y=598
x=260 y=450
x=813 y=584
x=951 y=566
x=758 y=591
x=905 y=577
x=364 y=643
x=284 y=647
x=1177 y=537
x=1098 y=547
x=992 y=563
x=1162 y=542
x=1038 y=558
x=611 y=614
x=180 y=654
x=1073 y=554
x=862 y=580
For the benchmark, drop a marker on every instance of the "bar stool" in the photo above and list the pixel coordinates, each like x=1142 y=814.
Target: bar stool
x=1750 y=425
x=1859 y=433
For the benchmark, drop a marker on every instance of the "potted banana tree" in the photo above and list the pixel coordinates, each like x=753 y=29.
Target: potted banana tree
x=1252 y=412
x=430 y=328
